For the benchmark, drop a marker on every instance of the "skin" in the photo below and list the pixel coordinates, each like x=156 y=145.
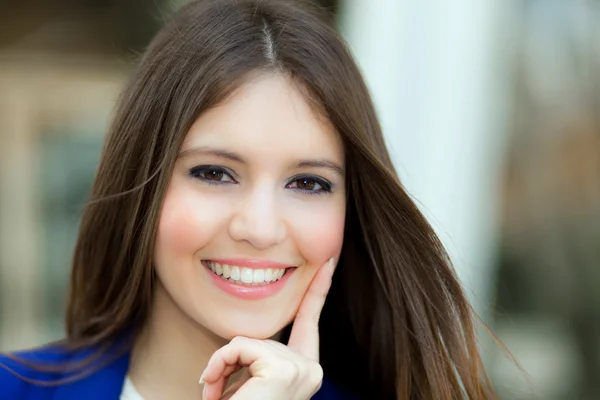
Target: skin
x=274 y=371
x=264 y=206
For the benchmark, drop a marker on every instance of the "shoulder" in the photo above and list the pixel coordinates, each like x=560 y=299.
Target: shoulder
x=11 y=384
x=330 y=391
x=19 y=377
x=56 y=372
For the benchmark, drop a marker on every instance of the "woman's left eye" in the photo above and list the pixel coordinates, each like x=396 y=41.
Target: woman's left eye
x=310 y=185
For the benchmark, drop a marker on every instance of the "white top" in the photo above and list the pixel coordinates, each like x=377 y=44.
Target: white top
x=129 y=391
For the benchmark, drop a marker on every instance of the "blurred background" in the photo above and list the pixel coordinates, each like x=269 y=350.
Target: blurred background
x=491 y=109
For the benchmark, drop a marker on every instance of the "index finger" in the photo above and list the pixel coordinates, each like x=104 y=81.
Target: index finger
x=304 y=337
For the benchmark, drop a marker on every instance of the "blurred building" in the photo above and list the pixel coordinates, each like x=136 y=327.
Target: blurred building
x=548 y=281
x=62 y=65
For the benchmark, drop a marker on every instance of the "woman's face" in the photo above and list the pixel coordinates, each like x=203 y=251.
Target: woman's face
x=257 y=191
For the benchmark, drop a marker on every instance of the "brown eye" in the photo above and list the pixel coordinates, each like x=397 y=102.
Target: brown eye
x=310 y=185
x=306 y=184
x=211 y=174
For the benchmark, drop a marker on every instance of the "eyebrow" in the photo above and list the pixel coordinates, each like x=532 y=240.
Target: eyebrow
x=205 y=150
x=336 y=168
x=211 y=151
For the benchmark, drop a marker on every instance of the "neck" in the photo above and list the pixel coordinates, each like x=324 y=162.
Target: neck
x=171 y=352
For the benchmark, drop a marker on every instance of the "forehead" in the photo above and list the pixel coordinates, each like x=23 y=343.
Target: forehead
x=269 y=116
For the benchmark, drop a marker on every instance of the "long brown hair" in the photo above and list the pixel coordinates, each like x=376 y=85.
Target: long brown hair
x=396 y=324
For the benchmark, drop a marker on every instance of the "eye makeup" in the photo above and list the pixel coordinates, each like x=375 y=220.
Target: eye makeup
x=305 y=183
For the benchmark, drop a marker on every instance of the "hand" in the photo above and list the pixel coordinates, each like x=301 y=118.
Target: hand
x=275 y=371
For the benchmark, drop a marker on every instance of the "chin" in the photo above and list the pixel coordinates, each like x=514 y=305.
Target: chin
x=254 y=330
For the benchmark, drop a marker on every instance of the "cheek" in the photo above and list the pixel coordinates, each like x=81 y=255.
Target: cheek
x=186 y=223
x=318 y=232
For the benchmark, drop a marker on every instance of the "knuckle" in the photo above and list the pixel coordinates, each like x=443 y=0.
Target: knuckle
x=291 y=371
x=316 y=376
x=317 y=372
x=238 y=340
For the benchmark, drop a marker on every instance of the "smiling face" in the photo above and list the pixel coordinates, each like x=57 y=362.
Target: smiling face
x=258 y=188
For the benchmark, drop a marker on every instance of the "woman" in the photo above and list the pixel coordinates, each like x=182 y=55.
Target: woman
x=245 y=161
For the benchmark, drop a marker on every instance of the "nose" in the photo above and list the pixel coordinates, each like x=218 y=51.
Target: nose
x=257 y=221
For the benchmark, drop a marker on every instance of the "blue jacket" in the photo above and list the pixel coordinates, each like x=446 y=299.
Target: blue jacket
x=104 y=383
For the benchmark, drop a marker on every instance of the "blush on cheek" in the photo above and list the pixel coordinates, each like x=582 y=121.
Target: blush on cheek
x=190 y=219
x=176 y=230
x=327 y=241
x=319 y=234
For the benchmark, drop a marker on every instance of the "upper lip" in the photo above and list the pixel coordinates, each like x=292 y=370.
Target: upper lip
x=250 y=263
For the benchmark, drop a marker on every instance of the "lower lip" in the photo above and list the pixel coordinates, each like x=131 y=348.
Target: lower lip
x=249 y=292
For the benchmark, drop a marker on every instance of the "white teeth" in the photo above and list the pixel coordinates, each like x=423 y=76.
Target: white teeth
x=244 y=275
x=258 y=276
x=226 y=271
x=235 y=273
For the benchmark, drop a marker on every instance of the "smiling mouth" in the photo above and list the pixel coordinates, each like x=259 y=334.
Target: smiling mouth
x=246 y=276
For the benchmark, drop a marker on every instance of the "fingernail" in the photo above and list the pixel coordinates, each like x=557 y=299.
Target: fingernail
x=201 y=381
x=331 y=266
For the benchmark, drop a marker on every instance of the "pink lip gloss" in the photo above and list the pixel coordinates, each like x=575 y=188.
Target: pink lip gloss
x=249 y=292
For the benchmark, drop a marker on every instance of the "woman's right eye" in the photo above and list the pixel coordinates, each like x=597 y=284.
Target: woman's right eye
x=211 y=174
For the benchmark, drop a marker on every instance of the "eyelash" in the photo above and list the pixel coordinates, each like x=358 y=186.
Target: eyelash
x=199 y=171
